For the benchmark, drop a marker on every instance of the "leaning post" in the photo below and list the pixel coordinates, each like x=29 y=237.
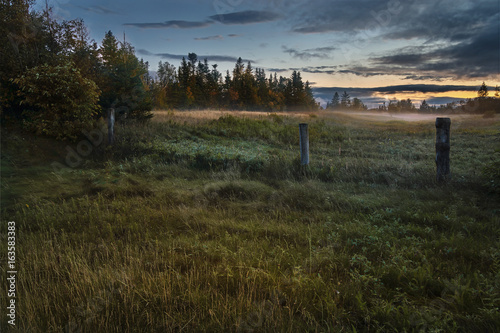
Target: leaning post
x=111 y=126
x=443 y=149
x=304 y=144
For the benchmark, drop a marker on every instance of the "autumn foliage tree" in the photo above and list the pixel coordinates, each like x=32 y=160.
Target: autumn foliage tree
x=59 y=101
x=57 y=81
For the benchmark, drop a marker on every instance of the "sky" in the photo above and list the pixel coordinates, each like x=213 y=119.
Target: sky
x=438 y=50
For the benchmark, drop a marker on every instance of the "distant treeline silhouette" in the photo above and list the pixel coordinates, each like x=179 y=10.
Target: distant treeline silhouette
x=483 y=103
x=195 y=85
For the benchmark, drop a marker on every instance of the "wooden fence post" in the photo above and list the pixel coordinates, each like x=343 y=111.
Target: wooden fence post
x=304 y=144
x=443 y=149
x=111 y=126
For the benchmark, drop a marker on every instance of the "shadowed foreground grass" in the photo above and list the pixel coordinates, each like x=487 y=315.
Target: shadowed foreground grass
x=206 y=225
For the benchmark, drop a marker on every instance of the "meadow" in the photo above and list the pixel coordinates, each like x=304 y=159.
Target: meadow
x=207 y=222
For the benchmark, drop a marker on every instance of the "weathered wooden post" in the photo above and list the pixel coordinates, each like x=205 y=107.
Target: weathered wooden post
x=111 y=126
x=443 y=149
x=304 y=144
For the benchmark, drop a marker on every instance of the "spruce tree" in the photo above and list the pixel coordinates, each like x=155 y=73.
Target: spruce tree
x=335 y=103
x=424 y=107
x=345 y=102
x=483 y=91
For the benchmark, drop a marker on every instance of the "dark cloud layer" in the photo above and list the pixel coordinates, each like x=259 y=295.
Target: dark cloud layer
x=214 y=58
x=98 y=9
x=217 y=37
x=319 y=52
x=176 y=24
x=472 y=58
x=322 y=16
x=450 y=39
x=246 y=17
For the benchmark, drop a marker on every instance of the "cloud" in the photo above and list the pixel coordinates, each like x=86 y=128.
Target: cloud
x=444 y=20
x=216 y=58
x=246 y=17
x=308 y=69
x=322 y=16
x=395 y=19
x=176 y=24
x=233 y=35
x=319 y=52
x=475 y=57
x=449 y=39
x=98 y=9
x=145 y=52
x=422 y=78
x=277 y=70
x=218 y=37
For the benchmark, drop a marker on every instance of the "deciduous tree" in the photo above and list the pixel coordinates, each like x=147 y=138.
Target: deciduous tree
x=58 y=100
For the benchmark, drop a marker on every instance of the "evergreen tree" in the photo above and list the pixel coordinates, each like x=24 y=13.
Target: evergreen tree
x=109 y=51
x=263 y=88
x=406 y=105
x=345 y=101
x=238 y=70
x=483 y=91
x=123 y=88
x=201 y=88
x=358 y=105
x=248 y=89
x=309 y=98
x=214 y=87
x=335 y=103
x=424 y=107
x=192 y=59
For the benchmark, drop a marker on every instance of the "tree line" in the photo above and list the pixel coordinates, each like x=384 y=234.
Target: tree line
x=57 y=81
x=483 y=103
x=194 y=84
x=344 y=102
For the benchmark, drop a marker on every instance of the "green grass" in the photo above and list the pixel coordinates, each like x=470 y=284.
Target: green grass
x=213 y=225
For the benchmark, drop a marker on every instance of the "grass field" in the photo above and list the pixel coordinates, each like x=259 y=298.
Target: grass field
x=206 y=222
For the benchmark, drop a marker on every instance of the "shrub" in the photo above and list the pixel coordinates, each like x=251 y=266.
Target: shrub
x=60 y=101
